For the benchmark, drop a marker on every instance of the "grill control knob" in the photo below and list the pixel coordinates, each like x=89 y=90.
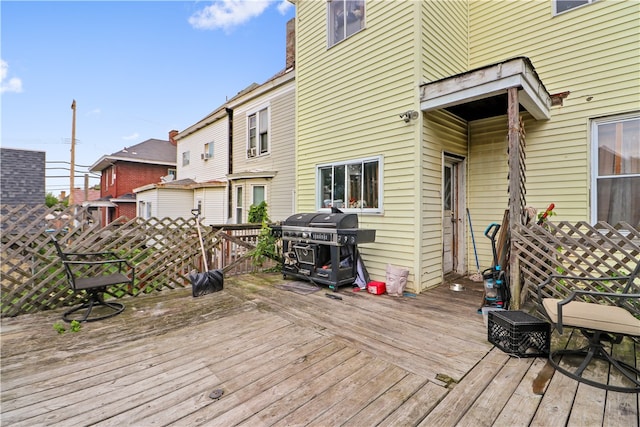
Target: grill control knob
x=305 y=235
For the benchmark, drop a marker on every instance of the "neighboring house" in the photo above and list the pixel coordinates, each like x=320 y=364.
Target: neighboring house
x=129 y=168
x=406 y=112
x=81 y=196
x=237 y=156
x=22 y=176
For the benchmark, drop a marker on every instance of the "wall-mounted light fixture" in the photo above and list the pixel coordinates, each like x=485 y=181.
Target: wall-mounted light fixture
x=409 y=115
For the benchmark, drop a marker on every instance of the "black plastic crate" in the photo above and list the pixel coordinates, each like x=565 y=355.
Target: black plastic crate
x=519 y=333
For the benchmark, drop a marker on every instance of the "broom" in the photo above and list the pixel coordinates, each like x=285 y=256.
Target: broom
x=475 y=277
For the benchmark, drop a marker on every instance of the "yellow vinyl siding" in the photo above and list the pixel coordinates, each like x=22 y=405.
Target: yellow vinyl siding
x=487 y=196
x=444 y=38
x=591 y=52
x=442 y=132
x=348 y=105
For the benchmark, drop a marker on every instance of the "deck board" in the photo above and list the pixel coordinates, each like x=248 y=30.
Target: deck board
x=283 y=358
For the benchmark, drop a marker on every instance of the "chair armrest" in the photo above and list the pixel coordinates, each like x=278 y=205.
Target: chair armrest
x=554 y=277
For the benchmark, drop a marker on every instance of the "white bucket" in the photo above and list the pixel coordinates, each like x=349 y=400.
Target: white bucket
x=485 y=313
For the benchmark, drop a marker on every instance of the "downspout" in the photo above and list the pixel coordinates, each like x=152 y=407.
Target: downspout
x=230 y=166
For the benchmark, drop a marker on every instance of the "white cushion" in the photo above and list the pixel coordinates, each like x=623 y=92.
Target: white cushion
x=593 y=316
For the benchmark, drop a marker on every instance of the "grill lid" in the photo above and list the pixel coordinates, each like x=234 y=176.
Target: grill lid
x=323 y=220
x=299 y=219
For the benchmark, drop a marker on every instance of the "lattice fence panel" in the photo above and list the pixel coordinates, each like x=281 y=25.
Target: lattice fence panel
x=165 y=251
x=581 y=249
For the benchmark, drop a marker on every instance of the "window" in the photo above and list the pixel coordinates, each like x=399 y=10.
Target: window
x=144 y=210
x=238 y=205
x=258 y=194
x=172 y=172
x=346 y=17
x=616 y=153
x=207 y=153
x=350 y=185
x=564 y=5
x=185 y=158
x=258 y=133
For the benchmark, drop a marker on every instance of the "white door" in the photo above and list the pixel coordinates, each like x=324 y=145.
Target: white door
x=452 y=206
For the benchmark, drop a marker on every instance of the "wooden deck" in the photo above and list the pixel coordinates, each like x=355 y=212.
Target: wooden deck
x=283 y=358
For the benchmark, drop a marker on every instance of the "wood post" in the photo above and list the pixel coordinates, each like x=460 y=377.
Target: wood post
x=515 y=190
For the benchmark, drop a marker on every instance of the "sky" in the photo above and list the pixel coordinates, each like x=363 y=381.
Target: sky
x=136 y=69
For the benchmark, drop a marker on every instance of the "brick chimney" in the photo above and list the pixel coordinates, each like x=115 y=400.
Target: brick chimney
x=291 y=44
x=172 y=134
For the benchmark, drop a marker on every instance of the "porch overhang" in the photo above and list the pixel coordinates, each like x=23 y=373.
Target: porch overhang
x=482 y=92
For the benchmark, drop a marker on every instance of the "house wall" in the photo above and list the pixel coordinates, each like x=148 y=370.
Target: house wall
x=129 y=175
x=173 y=203
x=201 y=170
x=591 y=51
x=214 y=204
x=148 y=196
x=348 y=105
x=281 y=159
x=444 y=53
x=442 y=133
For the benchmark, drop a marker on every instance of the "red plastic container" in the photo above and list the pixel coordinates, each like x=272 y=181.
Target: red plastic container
x=376 y=288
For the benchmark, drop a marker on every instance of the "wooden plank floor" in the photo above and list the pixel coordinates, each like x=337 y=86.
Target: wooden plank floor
x=282 y=359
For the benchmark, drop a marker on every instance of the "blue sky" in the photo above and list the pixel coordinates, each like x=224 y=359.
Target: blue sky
x=136 y=70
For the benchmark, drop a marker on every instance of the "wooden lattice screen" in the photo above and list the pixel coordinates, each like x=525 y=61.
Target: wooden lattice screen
x=581 y=249
x=165 y=251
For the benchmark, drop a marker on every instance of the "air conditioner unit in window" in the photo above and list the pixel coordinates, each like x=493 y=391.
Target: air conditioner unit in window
x=251 y=152
x=205 y=156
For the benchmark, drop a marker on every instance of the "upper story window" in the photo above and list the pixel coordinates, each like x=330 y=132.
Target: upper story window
x=207 y=153
x=560 y=6
x=355 y=184
x=616 y=171
x=185 y=158
x=172 y=172
x=258 y=132
x=346 y=17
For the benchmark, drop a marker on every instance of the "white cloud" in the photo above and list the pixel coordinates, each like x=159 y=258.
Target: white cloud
x=284 y=6
x=94 y=112
x=226 y=14
x=13 y=84
x=134 y=135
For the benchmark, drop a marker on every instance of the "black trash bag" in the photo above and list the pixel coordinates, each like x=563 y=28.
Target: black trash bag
x=207 y=282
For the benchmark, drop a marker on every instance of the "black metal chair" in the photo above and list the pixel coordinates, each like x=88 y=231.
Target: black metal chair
x=93 y=272
x=603 y=317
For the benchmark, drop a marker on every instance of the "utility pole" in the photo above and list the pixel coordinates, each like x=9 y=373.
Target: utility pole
x=73 y=154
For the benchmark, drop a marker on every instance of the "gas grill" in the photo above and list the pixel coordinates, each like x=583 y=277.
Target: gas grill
x=322 y=247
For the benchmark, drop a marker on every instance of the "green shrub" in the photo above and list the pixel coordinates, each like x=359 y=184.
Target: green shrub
x=265 y=246
x=258 y=213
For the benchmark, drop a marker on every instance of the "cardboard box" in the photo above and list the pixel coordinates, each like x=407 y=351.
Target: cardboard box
x=376 y=288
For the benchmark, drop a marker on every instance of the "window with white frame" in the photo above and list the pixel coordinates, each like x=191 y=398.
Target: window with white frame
x=186 y=155
x=144 y=210
x=239 y=199
x=616 y=170
x=258 y=195
x=355 y=184
x=207 y=153
x=560 y=6
x=345 y=18
x=258 y=131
